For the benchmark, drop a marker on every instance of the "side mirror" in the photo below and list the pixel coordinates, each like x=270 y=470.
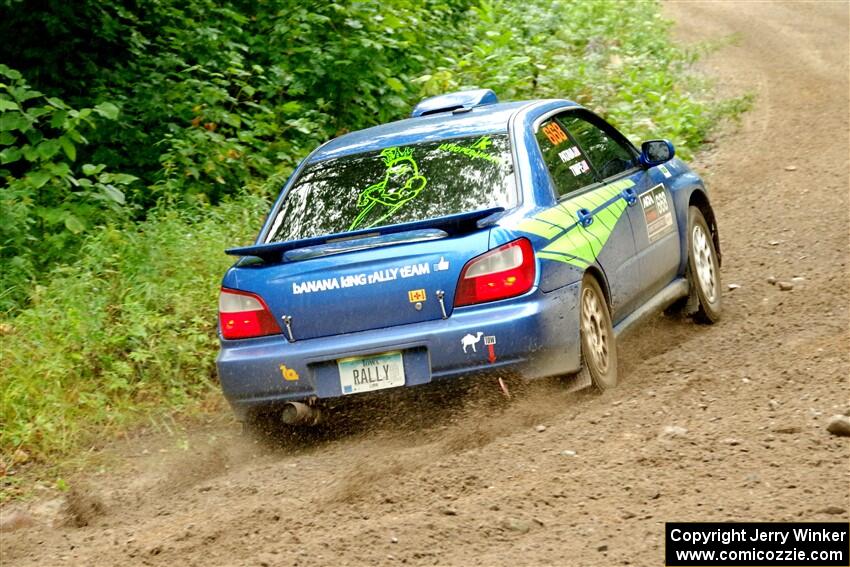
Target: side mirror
x=656 y=152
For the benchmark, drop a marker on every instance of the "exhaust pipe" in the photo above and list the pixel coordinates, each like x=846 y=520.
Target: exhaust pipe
x=296 y=413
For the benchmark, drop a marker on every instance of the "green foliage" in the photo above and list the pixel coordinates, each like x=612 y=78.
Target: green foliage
x=156 y=134
x=48 y=198
x=219 y=96
x=615 y=58
x=130 y=325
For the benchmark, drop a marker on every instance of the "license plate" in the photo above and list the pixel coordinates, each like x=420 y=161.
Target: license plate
x=367 y=373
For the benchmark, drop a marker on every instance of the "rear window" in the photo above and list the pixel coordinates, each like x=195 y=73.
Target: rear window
x=396 y=185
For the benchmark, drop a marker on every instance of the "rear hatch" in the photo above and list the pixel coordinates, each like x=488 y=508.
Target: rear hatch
x=366 y=289
x=380 y=266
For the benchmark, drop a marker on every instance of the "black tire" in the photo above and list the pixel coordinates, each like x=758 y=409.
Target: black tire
x=598 y=344
x=703 y=269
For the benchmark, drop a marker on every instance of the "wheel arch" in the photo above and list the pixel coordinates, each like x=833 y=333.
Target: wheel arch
x=591 y=373
x=599 y=276
x=699 y=199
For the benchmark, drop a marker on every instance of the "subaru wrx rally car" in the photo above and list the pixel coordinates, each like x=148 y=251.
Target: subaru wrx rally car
x=473 y=236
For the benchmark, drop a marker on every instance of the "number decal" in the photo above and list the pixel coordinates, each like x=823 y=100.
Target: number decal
x=554 y=133
x=656 y=212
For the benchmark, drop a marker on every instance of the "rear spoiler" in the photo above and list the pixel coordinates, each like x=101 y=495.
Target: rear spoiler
x=452 y=224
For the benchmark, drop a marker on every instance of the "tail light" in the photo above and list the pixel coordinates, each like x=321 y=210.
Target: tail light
x=243 y=315
x=504 y=272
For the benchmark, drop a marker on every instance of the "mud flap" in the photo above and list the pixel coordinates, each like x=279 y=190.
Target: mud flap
x=692 y=304
x=578 y=381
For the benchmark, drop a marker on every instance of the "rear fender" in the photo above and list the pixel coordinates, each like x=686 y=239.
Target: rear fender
x=552 y=275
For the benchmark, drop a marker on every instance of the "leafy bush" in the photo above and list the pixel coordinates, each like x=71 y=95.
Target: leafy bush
x=48 y=198
x=128 y=327
x=217 y=96
x=615 y=58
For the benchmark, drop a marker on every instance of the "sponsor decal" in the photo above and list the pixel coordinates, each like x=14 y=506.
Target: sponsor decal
x=442 y=265
x=569 y=154
x=470 y=340
x=416 y=295
x=663 y=169
x=490 y=343
x=475 y=151
x=656 y=212
x=579 y=168
x=288 y=374
x=353 y=280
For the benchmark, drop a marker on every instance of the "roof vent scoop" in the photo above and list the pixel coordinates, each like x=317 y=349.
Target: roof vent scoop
x=453 y=101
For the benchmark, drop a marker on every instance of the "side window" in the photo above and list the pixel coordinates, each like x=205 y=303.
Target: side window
x=606 y=154
x=568 y=166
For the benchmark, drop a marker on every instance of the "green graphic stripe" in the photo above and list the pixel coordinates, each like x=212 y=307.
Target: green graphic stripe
x=596 y=199
x=577 y=262
x=540 y=228
x=575 y=243
x=567 y=241
x=609 y=215
x=602 y=230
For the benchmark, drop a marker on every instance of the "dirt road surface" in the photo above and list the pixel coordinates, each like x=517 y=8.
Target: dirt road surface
x=709 y=423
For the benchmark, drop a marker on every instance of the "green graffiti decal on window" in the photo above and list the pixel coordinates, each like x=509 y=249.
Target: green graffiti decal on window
x=401 y=183
x=473 y=151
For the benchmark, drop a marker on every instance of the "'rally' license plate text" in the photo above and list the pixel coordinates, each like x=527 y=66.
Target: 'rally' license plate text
x=368 y=373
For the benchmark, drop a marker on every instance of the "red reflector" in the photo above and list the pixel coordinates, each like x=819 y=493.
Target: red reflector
x=501 y=273
x=242 y=315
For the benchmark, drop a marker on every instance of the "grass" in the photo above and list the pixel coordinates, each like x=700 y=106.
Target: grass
x=127 y=329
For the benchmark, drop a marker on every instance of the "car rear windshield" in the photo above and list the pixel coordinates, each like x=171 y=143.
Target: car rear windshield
x=396 y=185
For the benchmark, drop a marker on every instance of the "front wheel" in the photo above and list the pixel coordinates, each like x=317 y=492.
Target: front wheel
x=703 y=268
x=598 y=345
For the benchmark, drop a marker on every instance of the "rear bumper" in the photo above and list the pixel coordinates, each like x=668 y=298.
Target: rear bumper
x=536 y=335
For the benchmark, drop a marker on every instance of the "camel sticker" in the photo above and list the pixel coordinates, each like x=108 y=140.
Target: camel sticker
x=470 y=340
x=401 y=183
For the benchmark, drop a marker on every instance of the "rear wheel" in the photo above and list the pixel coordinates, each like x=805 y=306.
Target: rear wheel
x=598 y=345
x=703 y=268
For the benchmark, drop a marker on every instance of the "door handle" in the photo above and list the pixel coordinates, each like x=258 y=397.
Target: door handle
x=630 y=195
x=585 y=217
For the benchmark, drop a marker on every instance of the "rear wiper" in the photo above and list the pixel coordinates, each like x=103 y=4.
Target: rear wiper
x=451 y=225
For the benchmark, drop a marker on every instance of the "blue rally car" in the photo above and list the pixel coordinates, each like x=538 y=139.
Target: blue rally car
x=473 y=236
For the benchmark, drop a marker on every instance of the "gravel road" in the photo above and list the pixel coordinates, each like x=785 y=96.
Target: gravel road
x=709 y=423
